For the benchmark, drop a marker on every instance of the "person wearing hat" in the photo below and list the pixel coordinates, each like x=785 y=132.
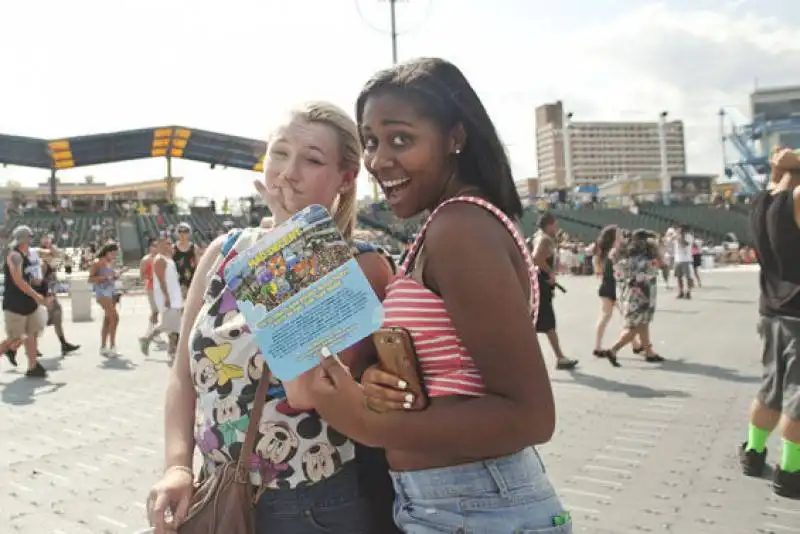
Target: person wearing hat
x=186 y=256
x=21 y=301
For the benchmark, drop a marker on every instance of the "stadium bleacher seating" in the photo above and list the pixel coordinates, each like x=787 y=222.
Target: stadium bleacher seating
x=205 y=226
x=715 y=222
x=71 y=230
x=712 y=223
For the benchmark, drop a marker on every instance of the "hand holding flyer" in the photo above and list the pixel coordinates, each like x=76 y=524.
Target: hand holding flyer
x=302 y=293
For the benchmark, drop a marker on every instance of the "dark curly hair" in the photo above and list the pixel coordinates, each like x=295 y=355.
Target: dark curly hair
x=440 y=92
x=105 y=249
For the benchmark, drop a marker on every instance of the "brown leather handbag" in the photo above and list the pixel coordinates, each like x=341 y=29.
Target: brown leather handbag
x=224 y=503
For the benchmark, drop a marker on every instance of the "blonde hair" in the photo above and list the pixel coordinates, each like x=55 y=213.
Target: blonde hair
x=320 y=112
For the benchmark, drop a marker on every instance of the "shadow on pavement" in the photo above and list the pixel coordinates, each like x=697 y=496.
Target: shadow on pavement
x=23 y=390
x=635 y=391
x=747 y=302
x=117 y=364
x=704 y=369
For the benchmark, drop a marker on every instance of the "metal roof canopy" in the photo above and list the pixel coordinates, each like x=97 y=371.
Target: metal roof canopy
x=24 y=152
x=167 y=141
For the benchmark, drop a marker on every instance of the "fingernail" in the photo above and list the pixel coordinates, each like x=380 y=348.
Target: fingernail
x=409 y=398
x=402 y=384
x=407 y=405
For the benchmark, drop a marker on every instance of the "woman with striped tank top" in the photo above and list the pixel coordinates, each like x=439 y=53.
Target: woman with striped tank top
x=467 y=293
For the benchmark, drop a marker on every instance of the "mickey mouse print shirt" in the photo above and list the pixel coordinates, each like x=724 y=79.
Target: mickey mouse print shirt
x=293 y=448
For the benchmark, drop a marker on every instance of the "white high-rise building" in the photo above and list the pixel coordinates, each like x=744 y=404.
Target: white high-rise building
x=597 y=152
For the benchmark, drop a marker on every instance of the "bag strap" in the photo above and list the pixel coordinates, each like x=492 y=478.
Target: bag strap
x=243 y=465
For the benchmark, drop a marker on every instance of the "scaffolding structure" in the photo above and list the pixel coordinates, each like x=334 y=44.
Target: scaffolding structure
x=746 y=143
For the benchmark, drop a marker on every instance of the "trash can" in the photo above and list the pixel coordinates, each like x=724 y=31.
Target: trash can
x=81 y=294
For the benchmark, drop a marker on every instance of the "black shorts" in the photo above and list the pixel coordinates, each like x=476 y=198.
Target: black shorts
x=780 y=358
x=697 y=260
x=608 y=290
x=546 y=319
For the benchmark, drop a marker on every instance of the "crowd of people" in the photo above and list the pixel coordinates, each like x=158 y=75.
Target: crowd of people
x=349 y=447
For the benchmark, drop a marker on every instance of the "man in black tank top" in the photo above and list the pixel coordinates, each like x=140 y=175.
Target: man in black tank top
x=544 y=251
x=185 y=256
x=775 y=221
x=21 y=301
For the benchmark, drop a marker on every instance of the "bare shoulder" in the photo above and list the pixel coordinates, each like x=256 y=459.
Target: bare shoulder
x=15 y=258
x=462 y=224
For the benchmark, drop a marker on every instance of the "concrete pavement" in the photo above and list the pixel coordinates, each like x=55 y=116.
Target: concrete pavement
x=642 y=448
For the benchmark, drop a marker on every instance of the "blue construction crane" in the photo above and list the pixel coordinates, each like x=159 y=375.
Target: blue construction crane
x=750 y=144
x=746 y=163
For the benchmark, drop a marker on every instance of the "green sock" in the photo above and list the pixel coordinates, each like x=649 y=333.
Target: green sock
x=790 y=460
x=756 y=438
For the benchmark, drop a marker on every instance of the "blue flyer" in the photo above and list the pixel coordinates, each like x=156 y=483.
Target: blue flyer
x=300 y=290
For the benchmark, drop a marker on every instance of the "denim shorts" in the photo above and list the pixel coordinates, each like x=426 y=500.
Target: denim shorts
x=332 y=506
x=511 y=494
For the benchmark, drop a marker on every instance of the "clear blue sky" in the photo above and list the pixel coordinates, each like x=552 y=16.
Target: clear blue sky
x=89 y=66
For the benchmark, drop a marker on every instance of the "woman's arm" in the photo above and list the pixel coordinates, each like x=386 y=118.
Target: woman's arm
x=597 y=263
x=471 y=262
x=142 y=266
x=359 y=356
x=181 y=396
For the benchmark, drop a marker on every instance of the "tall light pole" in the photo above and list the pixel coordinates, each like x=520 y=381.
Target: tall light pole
x=662 y=145
x=569 y=177
x=393 y=12
x=393 y=34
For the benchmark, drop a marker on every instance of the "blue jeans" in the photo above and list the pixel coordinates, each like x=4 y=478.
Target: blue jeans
x=332 y=506
x=505 y=495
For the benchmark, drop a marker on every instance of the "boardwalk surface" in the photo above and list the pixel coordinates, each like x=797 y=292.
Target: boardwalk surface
x=638 y=449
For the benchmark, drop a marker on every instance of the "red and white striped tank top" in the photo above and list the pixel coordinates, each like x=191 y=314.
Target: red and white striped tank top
x=447 y=367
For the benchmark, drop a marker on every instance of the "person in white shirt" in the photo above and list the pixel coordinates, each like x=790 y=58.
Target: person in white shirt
x=168 y=297
x=682 y=256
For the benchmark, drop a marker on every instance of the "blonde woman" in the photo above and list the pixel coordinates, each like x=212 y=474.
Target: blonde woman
x=307 y=470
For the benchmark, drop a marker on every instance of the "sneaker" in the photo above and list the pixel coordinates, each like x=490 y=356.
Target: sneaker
x=36 y=372
x=752 y=462
x=113 y=353
x=144 y=345
x=786 y=484
x=66 y=348
x=12 y=357
x=104 y=352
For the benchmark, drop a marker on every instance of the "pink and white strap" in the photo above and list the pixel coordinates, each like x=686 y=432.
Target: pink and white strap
x=533 y=271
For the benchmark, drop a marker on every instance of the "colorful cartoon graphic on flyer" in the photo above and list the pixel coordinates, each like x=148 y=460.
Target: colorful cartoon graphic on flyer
x=300 y=289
